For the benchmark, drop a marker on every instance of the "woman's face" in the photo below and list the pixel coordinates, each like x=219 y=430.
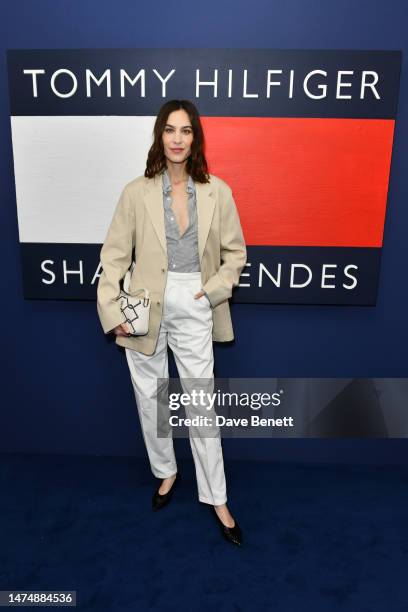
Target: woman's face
x=177 y=136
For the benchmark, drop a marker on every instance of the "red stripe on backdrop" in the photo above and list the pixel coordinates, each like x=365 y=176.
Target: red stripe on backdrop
x=304 y=182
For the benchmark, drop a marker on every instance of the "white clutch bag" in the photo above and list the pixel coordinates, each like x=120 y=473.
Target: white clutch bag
x=135 y=307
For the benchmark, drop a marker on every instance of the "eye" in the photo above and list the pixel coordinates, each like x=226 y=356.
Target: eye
x=168 y=130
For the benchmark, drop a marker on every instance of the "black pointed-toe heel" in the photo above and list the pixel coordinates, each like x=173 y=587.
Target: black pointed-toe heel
x=232 y=534
x=159 y=500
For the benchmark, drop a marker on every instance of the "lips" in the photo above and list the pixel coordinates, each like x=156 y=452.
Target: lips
x=176 y=150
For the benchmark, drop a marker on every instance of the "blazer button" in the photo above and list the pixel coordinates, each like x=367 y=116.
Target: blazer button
x=158 y=303
x=163 y=270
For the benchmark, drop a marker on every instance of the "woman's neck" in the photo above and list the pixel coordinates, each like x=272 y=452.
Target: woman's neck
x=177 y=173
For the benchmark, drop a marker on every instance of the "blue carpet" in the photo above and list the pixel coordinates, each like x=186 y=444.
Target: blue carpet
x=317 y=537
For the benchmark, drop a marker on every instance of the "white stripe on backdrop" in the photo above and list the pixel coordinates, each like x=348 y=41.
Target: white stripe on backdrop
x=69 y=173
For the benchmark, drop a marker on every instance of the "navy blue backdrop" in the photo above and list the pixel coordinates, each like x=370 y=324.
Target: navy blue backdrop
x=65 y=387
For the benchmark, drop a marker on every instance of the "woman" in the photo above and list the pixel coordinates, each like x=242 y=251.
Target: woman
x=182 y=226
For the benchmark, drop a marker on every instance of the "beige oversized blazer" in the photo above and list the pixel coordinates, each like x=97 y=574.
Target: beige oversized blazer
x=137 y=229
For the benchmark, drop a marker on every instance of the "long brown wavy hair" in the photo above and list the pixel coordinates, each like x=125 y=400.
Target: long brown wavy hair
x=196 y=164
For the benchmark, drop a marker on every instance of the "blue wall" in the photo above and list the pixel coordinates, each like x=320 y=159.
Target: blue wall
x=66 y=389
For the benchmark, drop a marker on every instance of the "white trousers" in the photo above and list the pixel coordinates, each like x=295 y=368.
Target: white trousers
x=186 y=327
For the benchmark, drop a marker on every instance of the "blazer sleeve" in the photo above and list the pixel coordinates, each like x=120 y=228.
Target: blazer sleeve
x=116 y=258
x=233 y=254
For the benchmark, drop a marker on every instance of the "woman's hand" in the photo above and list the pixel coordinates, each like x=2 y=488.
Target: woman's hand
x=202 y=294
x=121 y=330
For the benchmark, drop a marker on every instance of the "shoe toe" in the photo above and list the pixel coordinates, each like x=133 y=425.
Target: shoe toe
x=159 y=500
x=234 y=534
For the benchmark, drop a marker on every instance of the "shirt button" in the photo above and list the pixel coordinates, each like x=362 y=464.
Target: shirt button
x=171 y=218
x=174 y=265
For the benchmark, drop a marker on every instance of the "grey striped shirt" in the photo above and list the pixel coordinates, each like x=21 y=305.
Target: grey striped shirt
x=182 y=253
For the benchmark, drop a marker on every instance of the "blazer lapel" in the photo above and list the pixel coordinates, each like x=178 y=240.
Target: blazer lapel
x=205 y=213
x=153 y=200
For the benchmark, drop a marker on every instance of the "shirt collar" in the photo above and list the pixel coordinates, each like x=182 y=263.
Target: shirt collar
x=167 y=184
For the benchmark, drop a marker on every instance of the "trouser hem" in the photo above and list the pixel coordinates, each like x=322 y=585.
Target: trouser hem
x=212 y=502
x=164 y=475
